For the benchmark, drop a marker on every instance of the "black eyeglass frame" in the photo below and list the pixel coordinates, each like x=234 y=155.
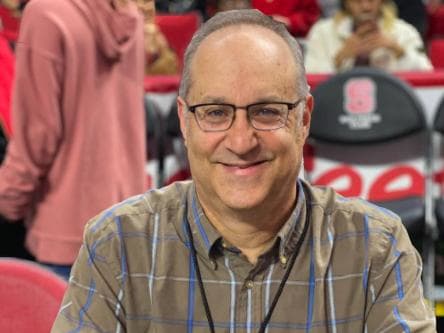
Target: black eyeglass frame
x=290 y=106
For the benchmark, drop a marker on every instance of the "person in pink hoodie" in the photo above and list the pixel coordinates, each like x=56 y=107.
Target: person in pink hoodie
x=78 y=142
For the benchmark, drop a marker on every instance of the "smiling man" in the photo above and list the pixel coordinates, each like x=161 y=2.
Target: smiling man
x=242 y=155
x=245 y=246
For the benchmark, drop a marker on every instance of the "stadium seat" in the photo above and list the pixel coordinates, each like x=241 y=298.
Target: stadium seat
x=435 y=21
x=369 y=139
x=30 y=296
x=438 y=126
x=155 y=136
x=436 y=52
x=178 y=30
x=181 y=170
x=10 y=25
x=7 y=65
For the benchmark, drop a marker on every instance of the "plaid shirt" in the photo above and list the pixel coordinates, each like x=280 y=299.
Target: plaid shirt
x=356 y=271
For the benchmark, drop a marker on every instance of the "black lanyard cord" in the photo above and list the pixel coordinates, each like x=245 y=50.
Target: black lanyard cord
x=199 y=278
x=290 y=265
x=281 y=285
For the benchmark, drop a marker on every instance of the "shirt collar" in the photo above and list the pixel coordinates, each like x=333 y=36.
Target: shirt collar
x=292 y=229
x=207 y=239
x=205 y=236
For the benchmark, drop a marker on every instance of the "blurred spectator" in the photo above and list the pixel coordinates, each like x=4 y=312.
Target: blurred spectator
x=297 y=15
x=365 y=33
x=413 y=12
x=160 y=58
x=328 y=7
x=78 y=142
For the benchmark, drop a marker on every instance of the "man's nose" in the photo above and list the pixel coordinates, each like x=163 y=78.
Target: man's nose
x=241 y=136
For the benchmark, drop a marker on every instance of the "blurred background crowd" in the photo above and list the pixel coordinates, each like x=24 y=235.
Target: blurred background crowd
x=307 y=20
x=336 y=35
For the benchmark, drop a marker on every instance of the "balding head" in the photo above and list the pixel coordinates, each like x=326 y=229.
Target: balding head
x=237 y=18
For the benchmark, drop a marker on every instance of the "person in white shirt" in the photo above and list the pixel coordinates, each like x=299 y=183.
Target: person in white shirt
x=365 y=33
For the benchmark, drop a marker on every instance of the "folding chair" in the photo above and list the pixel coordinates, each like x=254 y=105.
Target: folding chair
x=438 y=159
x=438 y=127
x=155 y=136
x=30 y=296
x=181 y=170
x=369 y=139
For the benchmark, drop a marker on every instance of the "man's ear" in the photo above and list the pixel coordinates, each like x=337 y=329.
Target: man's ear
x=181 y=112
x=306 y=116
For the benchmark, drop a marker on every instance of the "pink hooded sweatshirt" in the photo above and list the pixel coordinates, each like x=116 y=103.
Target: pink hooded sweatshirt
x=78 y=143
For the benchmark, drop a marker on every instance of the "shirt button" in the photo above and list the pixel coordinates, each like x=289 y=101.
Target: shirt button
x=283 y=260
x=249 y=284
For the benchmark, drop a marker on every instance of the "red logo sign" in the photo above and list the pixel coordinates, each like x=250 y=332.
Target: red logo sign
x=360 y=96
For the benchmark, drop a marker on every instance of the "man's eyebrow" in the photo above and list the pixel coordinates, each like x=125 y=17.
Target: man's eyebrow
x=271 y=98
x=262 y=99
x=214 y=99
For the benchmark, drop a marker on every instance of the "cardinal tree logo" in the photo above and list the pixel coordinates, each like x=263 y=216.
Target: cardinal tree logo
x=359 y=103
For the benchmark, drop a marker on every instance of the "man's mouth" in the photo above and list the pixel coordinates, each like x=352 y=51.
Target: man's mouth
x=243 y=165
x=244 y=169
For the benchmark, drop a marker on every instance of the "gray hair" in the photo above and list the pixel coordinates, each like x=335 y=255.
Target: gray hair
x=241 y=17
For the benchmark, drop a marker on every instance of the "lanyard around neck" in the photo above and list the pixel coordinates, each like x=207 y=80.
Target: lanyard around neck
x=281 y=285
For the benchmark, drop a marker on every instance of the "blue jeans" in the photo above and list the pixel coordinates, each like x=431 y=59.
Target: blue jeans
x=62 y=270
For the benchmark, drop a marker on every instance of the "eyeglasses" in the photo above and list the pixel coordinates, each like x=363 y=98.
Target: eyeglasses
x=266 y=116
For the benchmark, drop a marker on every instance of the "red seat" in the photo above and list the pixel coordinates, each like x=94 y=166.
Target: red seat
x=6 y=79
x=10 y=24
x=30 y=296
x=435 y=22
x=178 y=30
x=436 y=52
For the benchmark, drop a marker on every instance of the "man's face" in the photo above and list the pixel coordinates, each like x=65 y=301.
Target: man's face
x=362 y=10
x=243 y=168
